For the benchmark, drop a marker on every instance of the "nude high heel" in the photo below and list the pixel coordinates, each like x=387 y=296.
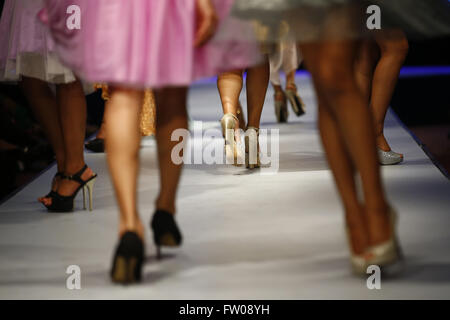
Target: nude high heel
x=296 y=102
x=233 y=148
x=252 y=159
x=281 y=110
x=387 y=255
x=358 y=262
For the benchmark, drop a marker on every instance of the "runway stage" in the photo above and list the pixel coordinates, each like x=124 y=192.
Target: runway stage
x=247 y=235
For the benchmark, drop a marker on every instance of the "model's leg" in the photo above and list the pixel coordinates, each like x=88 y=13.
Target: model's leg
x=394 y=48
x=45 y=108
x=257 y=82
x=366 y=61
x=72 y=115
x=170 y=115
x=122 y=145
x=342 y=168
x=230 y=87
x=333 y=74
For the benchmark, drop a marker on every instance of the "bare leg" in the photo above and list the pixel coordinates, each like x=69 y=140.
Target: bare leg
x=279 y=93
x=331 y=64
x=394 y=48
x=72 y=115
x=343 y=171
x=290 y=78
x=45 y=108
x=122 y=145
x=366 y=61
x=171 y=115
x=257 y=82
x=230 y=87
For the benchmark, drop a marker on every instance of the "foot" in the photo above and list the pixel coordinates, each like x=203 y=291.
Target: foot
x=55 y=183
x=356 y=226
x=68 y=187
x=378 y=225
x=279 y=96
x=383 y=144
x=137 y=227
x=291 y=86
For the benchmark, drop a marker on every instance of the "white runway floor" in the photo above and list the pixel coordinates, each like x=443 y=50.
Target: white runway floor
x=247 y=235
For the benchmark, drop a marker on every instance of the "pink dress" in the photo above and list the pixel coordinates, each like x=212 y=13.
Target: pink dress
x=143 y=43
x=26 y=46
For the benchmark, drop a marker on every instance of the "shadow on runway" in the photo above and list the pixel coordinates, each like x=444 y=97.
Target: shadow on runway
x=422 y=272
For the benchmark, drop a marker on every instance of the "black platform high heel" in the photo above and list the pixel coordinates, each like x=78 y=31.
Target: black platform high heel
x=66 y=203
x=165 y=230
x=128 y=259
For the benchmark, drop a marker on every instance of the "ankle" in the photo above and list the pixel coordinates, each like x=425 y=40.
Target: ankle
x=168 y=206
x=291 y=86
x=380 y=206
x=133 y=224
x=73 y=168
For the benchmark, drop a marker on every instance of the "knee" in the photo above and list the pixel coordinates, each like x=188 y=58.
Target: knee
x=397 y=49
x=333 y=81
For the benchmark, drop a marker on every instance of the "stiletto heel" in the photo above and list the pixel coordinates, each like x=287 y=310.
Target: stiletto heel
x=165 y=231
x=252 y=160
x=232 y=148
x=296 y=102
x=90 y=187
x=66 y=203
x=128 y=259
x=84 y=198
x=281 y=110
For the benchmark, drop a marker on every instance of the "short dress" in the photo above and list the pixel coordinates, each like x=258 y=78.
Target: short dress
x=27 y=48
x=145 y=43
x=326 y=20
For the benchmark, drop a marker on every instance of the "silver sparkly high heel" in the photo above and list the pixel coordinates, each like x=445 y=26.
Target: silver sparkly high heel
x=389 y=157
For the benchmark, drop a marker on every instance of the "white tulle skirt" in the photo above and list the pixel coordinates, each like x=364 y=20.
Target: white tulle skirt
x=27 y=48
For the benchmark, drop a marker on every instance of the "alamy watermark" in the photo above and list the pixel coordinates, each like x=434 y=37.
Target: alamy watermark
x=374 y=280
x=373 y=22
x=73 y=22
x=73 y=281
x=200 y=146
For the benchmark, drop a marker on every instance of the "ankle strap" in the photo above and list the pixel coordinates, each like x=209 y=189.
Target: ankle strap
x=77 y=176
x=253 y=128
x=230 y=114
x=291 y=86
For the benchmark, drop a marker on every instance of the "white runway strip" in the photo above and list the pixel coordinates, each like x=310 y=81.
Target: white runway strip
x=247 y=235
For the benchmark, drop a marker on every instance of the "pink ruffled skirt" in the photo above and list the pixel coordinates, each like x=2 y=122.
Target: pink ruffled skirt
x=144 y=43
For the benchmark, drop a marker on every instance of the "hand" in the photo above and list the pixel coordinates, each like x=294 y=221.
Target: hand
x=206 y=22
